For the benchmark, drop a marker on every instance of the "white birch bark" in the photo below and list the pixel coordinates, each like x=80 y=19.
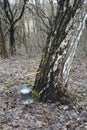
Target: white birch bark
x=74 y=42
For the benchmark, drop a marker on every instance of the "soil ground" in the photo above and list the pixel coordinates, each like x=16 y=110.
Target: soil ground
x=38 y=115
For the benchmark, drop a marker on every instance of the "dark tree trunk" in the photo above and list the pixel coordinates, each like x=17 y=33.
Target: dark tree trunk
x=49 y=83
x=12 y=47
x=3 y=51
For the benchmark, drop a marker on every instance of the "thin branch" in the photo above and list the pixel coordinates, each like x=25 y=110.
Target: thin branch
x=6 y=10
x=21 y=14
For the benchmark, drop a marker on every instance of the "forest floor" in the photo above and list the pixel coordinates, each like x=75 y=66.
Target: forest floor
x=38 y=115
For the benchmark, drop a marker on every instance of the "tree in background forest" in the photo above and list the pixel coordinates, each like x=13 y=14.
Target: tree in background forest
x=12 y=14
x=49 y=83
x=3 y=51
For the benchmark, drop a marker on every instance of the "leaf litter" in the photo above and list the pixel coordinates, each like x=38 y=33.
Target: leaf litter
x=38 y=115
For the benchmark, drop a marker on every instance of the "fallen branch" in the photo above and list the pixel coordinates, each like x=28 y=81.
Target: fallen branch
x=33 y=73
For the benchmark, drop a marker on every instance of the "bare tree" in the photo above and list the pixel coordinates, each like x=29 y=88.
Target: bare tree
x=13 y=13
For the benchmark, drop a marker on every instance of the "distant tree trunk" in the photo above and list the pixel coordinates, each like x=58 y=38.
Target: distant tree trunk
x=49 y=83
x=3 y=51
x=12 y=40
x=12 y=17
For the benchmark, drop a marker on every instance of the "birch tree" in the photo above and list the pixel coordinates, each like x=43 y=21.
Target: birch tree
x=49 y=82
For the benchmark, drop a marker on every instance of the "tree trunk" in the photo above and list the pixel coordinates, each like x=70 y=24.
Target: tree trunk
x=12 y=41
x=50 y=83
x=3 y=51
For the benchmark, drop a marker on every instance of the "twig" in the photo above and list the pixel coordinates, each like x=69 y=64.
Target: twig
x=33 y=73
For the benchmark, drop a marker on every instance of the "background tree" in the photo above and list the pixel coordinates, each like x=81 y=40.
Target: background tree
x=3 y=51
x=32 y=29
x=49 y=83
x=12 y=14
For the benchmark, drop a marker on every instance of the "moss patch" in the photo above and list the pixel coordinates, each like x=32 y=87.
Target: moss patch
x=35 y=94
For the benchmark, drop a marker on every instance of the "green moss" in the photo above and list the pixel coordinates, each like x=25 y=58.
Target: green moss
x=62 y=99
x=6 y=85
x=45 y=60
x=35 y=94
x=12 y=83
